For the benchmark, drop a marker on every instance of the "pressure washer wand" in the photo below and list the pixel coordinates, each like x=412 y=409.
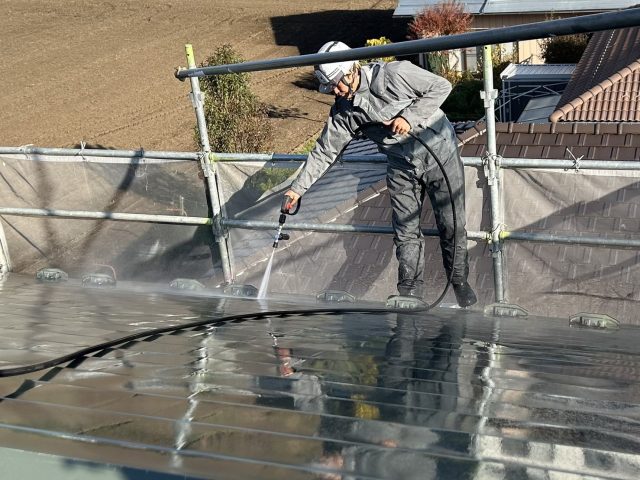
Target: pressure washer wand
x=285 y=209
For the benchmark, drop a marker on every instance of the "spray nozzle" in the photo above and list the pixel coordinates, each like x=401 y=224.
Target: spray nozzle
x=285 y=209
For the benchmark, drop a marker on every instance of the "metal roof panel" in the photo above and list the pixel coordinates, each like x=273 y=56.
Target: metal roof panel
x=515 y=72
x=368 y=395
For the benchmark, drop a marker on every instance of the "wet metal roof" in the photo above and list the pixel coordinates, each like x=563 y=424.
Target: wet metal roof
x=407 y=8
x=448 y=394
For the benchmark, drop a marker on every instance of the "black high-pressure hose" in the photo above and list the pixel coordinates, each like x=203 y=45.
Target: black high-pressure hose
x=156 y=332
x=26 y=369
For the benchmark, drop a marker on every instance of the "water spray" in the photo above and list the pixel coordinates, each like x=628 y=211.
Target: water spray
x=285 y=209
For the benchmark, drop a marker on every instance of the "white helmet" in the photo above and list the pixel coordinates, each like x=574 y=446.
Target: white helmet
x=330 y=74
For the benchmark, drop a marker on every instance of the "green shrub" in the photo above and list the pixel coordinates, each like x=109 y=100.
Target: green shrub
x=236 y=120
x=465 y=103
x=564 y=49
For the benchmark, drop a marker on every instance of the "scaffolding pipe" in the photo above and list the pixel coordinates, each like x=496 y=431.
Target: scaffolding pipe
x=5 y=258
x=210 y=175
x=281 y=160
x=91 y=215
x=575 y=165
x=290 y=157
x=629 y=17
x=335 y=228
x=316 y=227
x=96 y=152
x=571 y=239
x=489 y=96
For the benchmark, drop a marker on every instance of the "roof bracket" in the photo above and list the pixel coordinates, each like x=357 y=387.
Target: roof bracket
x=505 y=310
x=594 y=320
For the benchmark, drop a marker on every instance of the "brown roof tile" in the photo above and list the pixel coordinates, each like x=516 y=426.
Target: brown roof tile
x=546 y=139
x=630 y=128
x=608 y=128
x=606 y=83
x=541 y=128
x=561 y=128
x=611 y=142
x=524 y=139
x=555 y=152
x=591 y=140
x=627 y=154
x=602 y=153
x=569 y=139
x=511 y=151
x=532 y=151
x=514 y=127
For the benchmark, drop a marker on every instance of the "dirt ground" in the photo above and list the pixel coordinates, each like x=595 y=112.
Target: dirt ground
x=101 y=72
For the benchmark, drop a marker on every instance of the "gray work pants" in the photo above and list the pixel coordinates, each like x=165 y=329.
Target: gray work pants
x=407 y=189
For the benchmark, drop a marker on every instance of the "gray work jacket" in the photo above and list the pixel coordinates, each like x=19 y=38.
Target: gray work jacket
x=386 y=90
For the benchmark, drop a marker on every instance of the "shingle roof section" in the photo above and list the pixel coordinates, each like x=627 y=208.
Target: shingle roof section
x=606 y=84
x=591 y=141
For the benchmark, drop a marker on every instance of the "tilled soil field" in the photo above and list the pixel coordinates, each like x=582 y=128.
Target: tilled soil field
x=102 y=72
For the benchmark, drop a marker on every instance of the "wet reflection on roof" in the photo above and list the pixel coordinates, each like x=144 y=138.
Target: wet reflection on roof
x=447 y=394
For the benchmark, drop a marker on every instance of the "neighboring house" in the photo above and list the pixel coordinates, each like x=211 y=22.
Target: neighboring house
x=605 y=86
x=530 y=92
x=489 y=14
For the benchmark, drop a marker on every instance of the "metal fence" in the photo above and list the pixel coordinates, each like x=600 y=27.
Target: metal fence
x=220 y=223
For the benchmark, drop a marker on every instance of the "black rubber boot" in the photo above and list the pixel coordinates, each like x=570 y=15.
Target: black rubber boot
x=411 y=291
x=410 y=268
x=464 y=294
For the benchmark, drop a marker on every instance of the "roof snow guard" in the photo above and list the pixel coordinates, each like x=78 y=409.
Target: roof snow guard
x=409 y=8
x=605 y=86
x=443 y=394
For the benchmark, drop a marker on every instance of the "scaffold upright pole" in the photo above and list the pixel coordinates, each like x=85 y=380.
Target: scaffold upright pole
x=489 y=96
x=210 y=173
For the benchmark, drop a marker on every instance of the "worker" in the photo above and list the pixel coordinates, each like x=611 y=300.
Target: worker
x=385 y=102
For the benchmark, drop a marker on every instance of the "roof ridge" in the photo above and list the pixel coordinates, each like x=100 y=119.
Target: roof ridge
x=594 y=91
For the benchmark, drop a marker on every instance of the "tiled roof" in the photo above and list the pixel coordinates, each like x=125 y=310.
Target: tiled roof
x=606 y=84
x=592 y=141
